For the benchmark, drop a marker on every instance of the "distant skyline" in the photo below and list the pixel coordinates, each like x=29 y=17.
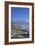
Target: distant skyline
x=20 y=14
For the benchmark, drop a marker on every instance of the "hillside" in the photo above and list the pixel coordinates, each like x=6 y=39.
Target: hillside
x=19 y=31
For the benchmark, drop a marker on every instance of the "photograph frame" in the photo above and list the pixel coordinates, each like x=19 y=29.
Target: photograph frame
x=7 y=19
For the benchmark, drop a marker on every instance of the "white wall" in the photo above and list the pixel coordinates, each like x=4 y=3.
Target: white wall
x=2 y=23
x=21 y=0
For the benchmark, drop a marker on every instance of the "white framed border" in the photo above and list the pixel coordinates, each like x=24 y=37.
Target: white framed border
x=30 y=23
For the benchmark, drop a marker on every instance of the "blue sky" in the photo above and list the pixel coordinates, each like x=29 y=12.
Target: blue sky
x=20 y=14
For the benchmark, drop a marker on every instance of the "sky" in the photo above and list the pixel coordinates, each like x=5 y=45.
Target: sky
x=19 y=14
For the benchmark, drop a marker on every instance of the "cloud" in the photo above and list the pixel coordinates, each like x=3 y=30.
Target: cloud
x=20 y=19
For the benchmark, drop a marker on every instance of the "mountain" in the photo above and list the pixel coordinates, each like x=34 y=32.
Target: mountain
x=24 y=25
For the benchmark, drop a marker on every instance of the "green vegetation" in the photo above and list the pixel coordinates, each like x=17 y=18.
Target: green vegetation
x=18 y=32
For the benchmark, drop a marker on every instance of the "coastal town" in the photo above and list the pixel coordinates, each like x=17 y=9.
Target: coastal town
x=18 y=31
